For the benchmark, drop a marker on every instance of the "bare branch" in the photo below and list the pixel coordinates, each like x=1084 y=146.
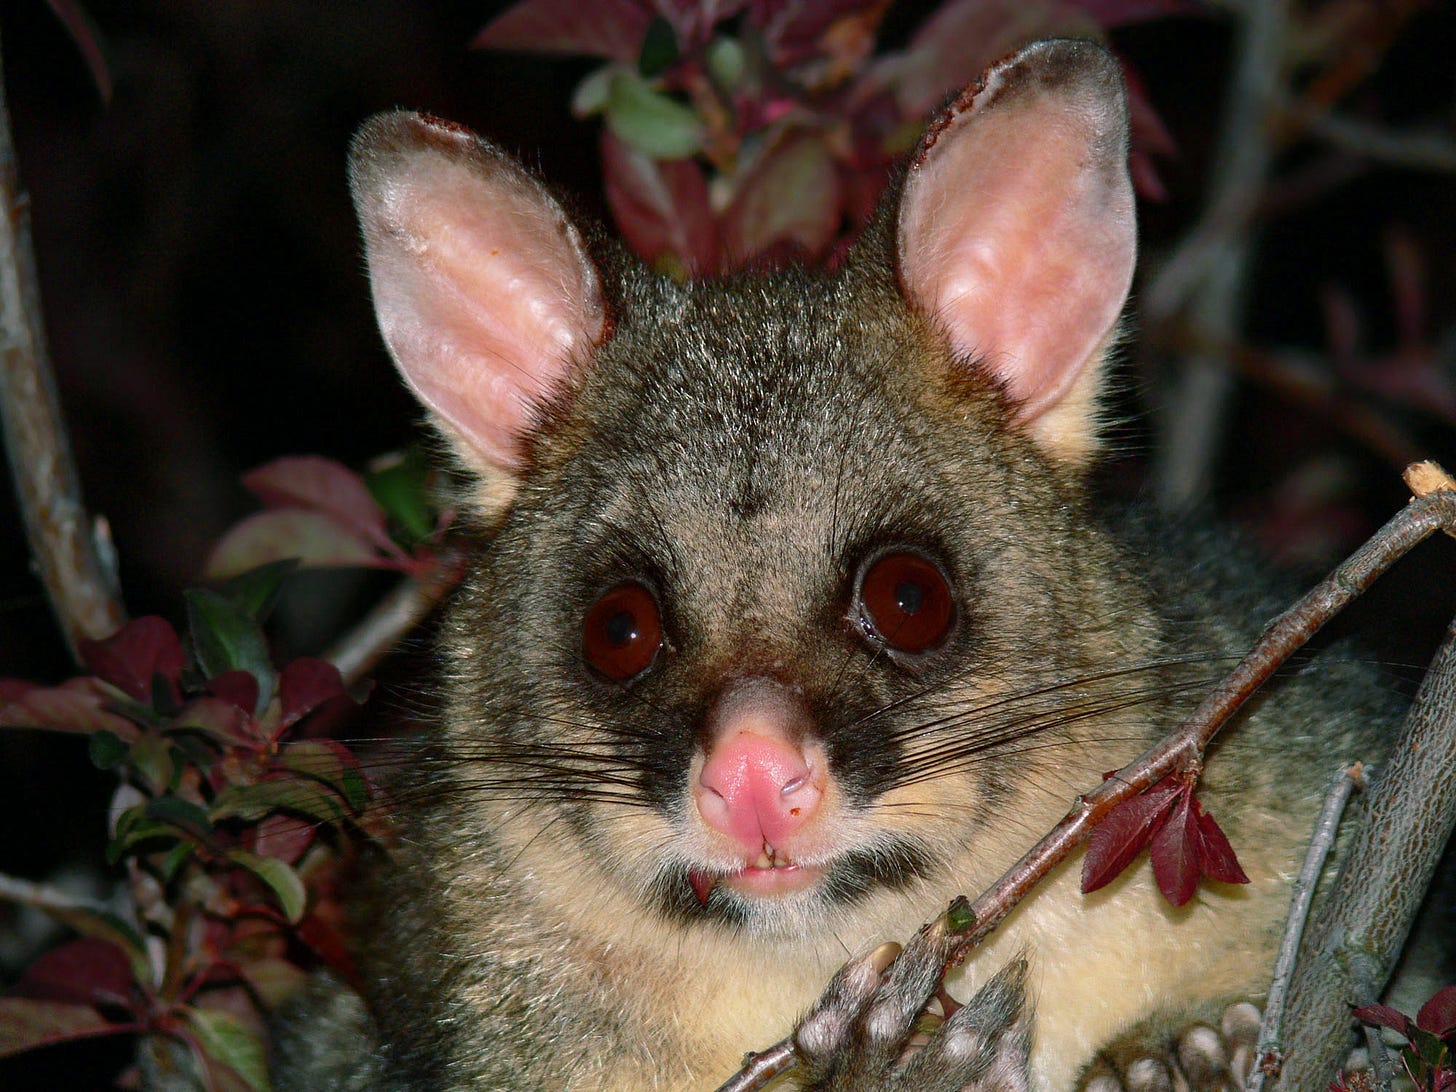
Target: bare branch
x=82 y=589
x=1414 y=150
x=1208 y=271
x=1360 y=930
x=406 y=605
x=1269 y=1053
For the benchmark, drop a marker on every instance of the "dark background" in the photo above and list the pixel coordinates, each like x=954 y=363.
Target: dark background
x=207 y=309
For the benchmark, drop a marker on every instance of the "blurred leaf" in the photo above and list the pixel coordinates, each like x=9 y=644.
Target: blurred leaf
x=316 y=484
x=107 y=750
x=225 y=1038
x=134 y=654
x=280 y=878
x=255 y=591
x=220 y=719
x=726 y=62
x=651 y=122
x=790 y=198
x=227 y=638
x=309 y=538
x=401 y=486
x=287 y=836
x=79 y=27
x=182 y=814
x=176 y=857
x=82 y=704
x=237 y=688
x=659 y=50
x=87 y=971
x=661 y=207
x=305 y=684
x=601 y=28
x=274 y=979
x=26 y=1024
x=89 y=921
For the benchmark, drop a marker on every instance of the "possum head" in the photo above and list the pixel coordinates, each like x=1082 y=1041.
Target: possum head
x=782 y=578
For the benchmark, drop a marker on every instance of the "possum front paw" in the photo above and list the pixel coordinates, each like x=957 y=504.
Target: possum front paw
x=1167 y=1054
x=864 y=1033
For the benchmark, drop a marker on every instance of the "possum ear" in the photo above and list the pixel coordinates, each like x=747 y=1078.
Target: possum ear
x=1017 y=232
x=483 y=289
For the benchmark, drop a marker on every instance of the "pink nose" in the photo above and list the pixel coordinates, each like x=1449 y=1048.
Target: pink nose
x=757 y=786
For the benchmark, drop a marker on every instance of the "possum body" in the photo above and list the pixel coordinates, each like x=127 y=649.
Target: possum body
x=792 y=618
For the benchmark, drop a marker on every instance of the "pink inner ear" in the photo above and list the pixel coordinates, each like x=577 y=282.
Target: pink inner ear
x=483 y=290
x=1017 y=231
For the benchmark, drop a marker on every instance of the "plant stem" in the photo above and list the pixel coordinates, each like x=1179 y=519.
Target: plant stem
x=81 y=587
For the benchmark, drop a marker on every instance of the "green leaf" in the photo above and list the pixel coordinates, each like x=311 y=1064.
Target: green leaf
x=253 y=802
x=659 y=48
x=280 y=878
x=727 y=62
x=283 y=536
x=256 y=591
x=228 y=638
x=108 y=750
x=137 y=834
x=329 y=761
x=226 y=1039
x=591 y=94
x=175 y=859
x=655 y=124
x=180 y=813
x=401 y=486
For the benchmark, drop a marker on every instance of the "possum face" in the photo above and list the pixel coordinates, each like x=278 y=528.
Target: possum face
x=789 y=583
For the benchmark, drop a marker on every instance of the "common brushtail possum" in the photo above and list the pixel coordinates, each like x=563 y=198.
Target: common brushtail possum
x=792 y=617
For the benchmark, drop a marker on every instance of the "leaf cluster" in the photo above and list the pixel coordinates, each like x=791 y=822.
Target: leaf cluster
x=228 y=822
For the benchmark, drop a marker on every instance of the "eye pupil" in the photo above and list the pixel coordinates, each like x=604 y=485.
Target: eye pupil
x=622 y=632
x=620 y=628
x=909 y=596
x=906 y=602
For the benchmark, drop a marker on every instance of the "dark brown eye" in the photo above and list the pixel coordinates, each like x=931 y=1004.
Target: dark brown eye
x=908 y=602
x=622 y=632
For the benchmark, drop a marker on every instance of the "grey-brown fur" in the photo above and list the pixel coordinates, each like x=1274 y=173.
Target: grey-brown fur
x=743 y=449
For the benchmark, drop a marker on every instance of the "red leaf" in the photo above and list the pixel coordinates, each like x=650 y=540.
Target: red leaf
x=77 y=705
x=221 y=718
x=1175 y=852
x=134 y=654
x=1384 y=1016
x=84 y=35
x=304 y=685
x=87 y=971
x=321 y=485
x=1123 y=833
x=601 y=28
x=660 y=206
x=313 y=538
x=27 y=1024
x=239 y=688
x=284 y=837
x=1216 y=858
x=1438 y=1015
x=789 y=203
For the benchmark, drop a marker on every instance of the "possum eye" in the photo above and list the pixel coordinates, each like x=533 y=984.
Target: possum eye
x=622 y=632
x=907 y=602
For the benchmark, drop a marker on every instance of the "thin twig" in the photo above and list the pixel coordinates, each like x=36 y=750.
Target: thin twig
x=405 y=606
x=46 y=897
x=82 y=589
x=1414 y=150
x=1183 y=748
x=1269 y=1053
x=1209 y=270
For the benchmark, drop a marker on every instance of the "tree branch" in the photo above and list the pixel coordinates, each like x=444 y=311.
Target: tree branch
x=82 y=588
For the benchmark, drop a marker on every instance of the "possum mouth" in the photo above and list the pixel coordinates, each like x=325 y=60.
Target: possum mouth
x=740 y=896
x=771 y=873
